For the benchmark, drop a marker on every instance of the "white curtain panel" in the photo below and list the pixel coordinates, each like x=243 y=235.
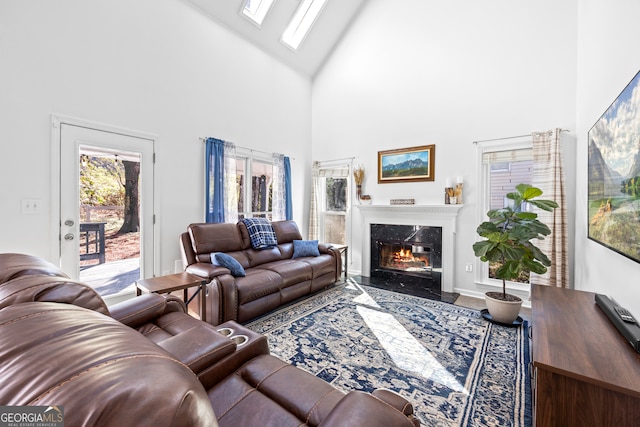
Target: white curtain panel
x=230 y=187
x=548 y=175
x=278 y=198
x=313 y=209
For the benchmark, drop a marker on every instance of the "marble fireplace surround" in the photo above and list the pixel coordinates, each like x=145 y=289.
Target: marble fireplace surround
x=444 y=216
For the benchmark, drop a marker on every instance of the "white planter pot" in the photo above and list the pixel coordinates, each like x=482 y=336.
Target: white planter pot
x=503 y=311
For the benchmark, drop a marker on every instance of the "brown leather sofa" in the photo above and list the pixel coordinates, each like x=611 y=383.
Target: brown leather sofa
x=272 y=279
x=147 y=362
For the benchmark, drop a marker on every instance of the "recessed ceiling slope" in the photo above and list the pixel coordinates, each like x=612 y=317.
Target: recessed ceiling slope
x=326 y=32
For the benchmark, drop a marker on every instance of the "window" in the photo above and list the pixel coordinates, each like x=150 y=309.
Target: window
x=256 y=10
x=254 y=180
x=329 y=202
x=333 y=223
x=302 y=22
x=502 y=168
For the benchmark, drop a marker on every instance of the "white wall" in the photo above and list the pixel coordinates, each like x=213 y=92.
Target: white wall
x=607 y=61
x=416 y=72
x=155 y=66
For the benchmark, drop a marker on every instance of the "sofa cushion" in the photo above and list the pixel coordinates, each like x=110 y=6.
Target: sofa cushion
x=207 y=238
x=260 y=232
x=286 y=231
x=321 y=265
x=26 y=288
x=304 y=248
x=291 y=271
x=300 y=398
x=257 y=257
x=257 y=284
x=230 y=262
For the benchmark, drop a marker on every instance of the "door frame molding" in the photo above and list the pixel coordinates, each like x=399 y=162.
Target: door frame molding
x=56 y=142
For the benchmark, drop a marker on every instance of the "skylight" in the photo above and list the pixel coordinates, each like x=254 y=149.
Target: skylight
x=301 y=22
x=256 y=10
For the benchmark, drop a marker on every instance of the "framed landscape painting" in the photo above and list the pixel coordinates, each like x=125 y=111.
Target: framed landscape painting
x=407 y=164
x=614 y=175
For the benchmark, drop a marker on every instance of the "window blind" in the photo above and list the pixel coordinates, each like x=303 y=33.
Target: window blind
x=518 y=155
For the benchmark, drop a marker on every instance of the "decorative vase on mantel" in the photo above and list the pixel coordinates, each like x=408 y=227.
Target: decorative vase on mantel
x=358 y=177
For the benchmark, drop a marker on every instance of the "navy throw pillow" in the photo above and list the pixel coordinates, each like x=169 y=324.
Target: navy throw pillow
x=302 y=248
x=261 y=232
x=230 y=262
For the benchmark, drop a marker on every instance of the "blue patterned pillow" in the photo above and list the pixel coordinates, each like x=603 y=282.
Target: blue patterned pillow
x=302 y=248
x=230 y=262
x=260 y=232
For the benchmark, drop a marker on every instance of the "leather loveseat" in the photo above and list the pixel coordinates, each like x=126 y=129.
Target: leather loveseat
x=146 y=362
x=274 y=276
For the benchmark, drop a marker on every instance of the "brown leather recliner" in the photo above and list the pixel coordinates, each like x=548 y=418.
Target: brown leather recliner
x=273 y=276
x=153 y=364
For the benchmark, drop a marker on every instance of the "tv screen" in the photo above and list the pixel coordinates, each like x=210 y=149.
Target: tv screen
x=614 y=175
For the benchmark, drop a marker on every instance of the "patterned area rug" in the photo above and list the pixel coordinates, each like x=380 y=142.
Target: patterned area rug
x=454 y=367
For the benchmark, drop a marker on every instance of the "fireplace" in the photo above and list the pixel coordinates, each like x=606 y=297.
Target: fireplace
x=407 y=253
x=439 y=217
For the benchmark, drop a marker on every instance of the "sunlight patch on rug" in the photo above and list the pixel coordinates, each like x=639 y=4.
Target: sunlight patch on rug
x=453 y=366
x=406 y=351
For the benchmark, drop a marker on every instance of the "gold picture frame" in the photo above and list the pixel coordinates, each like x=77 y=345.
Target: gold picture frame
x=407 y=164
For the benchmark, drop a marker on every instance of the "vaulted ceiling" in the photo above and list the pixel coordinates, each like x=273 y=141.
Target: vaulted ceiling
x=329 y=27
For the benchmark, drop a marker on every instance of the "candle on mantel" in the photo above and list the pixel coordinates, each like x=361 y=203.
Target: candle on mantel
x=448 y=183
x=459 y=180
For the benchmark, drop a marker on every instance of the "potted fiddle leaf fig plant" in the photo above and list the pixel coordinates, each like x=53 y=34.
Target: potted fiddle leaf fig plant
x=508 y=242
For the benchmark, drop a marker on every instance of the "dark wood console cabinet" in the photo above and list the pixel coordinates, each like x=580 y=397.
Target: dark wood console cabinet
x=584 y=371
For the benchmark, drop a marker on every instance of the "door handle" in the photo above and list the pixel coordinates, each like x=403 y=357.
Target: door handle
x=68 y=236
x=68 y=223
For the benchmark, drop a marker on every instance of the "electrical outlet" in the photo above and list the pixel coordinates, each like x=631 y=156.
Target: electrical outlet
x=31 y=206
x=468 y=267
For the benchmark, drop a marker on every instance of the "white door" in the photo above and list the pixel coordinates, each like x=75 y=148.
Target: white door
x=75 y=141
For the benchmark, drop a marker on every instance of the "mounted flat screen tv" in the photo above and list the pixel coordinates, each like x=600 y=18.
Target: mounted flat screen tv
x=614 y=175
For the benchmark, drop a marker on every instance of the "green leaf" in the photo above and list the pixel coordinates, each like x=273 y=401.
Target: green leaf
x=530 y=193
x=547 y=205
x=481 y=248
x=487 y=228
x=535 y=267
x=511 y=252
x=509 y=270
x=540 y=256
x=522 y=188
x=527 y=215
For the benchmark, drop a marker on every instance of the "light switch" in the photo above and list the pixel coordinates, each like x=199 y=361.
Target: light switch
x=31 y=206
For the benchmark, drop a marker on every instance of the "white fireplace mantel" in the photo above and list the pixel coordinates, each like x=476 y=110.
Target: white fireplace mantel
x=444 y=216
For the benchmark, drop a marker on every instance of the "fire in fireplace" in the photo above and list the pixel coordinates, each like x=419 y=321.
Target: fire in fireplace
x=405 y=257
x=407 y=253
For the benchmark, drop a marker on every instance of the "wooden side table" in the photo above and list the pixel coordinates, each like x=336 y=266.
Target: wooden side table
x=343 y=249
x=175 y=282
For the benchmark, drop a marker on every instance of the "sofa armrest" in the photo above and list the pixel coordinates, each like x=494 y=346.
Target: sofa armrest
x=140 y=310
x=206 y=270
x=324 y=248
x=199 y=347
x=229 y=297
x=255 y=346
x=394 y=399
x=362 y=409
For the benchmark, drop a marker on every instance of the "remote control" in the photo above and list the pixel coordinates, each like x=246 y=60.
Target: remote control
x=625 y=315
